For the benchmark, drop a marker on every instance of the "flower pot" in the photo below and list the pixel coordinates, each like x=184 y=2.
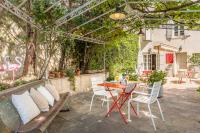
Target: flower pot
x=78 y=72
x=57 y=74
x=51 y=74
x=62 y=74
x=160 y=93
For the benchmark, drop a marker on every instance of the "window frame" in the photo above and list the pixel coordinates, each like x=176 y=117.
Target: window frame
x=178 y=31
x=147 y=61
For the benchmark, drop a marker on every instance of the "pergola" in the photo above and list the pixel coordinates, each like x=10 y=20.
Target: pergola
x=89 y=5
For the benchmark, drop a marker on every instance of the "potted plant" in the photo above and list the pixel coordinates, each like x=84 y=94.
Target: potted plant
x=78 y=72
x=57 y=73
x=62 y=74
x=156 y=76
x=70 y=73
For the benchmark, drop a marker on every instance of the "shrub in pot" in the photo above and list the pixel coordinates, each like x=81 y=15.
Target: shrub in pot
x=78 y=72
x=156 y=76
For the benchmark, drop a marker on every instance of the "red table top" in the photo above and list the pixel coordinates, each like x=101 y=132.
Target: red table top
x=113 y=85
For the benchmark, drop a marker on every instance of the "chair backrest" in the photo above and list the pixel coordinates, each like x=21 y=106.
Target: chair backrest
x=95 y=81
x=130 y=87
x=155 y=91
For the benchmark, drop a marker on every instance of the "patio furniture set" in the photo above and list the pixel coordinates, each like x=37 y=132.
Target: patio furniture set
x=119 y=94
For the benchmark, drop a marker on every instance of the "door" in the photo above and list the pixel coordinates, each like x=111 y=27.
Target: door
x=150 y=61
x=153 y=56
x=181 y=59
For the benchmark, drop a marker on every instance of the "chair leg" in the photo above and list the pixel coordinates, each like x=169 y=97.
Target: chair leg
x=129 y=111
x=138 y=108
x=160 y=110
x=103 y=101
x=108 y=107
x=152 y=118
x=91 y=102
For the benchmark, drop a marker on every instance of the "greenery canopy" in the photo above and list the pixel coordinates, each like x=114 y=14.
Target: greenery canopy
x=117 y=34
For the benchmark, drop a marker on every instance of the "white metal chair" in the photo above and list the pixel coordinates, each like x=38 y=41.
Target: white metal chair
x=100 y=91
x=147 y=99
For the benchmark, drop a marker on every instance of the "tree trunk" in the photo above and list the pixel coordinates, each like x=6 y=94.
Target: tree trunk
x=62 y=58
x=30 y=58
x=34 y=52
x=27 y=57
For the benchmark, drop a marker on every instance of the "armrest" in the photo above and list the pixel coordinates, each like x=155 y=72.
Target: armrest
x=141 y=93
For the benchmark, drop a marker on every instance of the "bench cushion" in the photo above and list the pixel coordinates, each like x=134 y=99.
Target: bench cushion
x=46 y=94
x=25 y=106
x=53 y=91
x=41 y=122
x=40 y=100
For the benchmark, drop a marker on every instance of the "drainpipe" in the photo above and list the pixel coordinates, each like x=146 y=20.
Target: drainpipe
x=174 y=65
x=139 y=54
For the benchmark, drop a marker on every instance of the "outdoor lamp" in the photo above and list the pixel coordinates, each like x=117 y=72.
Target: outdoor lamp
x=118 y=14
x=140 y=32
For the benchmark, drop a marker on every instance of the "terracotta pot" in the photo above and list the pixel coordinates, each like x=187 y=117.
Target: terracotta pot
x=78 y=72
x=62 y=74
x=51 y=74
x=57 y=74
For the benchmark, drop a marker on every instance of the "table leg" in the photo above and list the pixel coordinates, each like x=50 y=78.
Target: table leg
x=115 y=104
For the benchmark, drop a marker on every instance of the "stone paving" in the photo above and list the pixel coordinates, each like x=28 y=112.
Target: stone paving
x=180 y=104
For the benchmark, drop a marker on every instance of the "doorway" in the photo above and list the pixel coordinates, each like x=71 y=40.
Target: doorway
x=150 y=61
x=181 y=59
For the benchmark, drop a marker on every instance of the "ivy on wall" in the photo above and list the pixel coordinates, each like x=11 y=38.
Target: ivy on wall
x=121 y=55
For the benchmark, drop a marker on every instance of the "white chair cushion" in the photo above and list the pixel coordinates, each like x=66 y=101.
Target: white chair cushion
x=25 y=106
x=53 y=91
x=141 y=99
x=46 y=94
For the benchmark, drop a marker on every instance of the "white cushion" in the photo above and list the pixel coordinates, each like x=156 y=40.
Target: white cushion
x=46 y=94
x=39 y=100
x=25 y=106
x=53 y=91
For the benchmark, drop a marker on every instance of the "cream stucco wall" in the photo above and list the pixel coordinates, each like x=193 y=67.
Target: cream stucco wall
x=189 y=44
x=82 y=83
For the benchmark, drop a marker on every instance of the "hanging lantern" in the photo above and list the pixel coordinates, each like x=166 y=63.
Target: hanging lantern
x=118 y=14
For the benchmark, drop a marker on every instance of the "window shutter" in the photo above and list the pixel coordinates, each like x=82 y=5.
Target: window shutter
x=169 y=58
x=169 y=32
x=148 y=35
x=169 y=29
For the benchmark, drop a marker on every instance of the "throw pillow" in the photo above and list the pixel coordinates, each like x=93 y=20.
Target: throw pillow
x=46 y=94
x=25 y=106
x=40 y=100
x=53 y=91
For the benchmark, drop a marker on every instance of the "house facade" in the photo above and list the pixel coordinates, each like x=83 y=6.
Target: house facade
x=168 y=48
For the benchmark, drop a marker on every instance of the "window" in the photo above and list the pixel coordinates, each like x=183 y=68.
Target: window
x=150 y=61
x=179 y=31
x=182 y=32
x=145 y=62
x=175 y=30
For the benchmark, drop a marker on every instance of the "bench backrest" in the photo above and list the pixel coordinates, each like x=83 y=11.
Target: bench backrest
x=9 y=118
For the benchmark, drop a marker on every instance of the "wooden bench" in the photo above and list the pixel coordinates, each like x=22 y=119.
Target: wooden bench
x=10 y=120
